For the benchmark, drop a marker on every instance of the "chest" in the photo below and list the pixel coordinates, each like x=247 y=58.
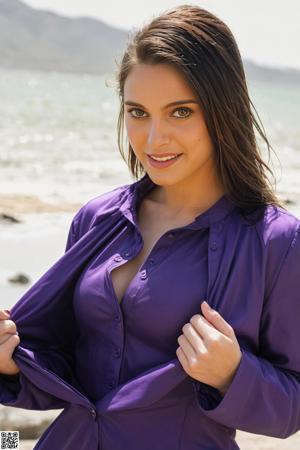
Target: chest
x=122 y=275
x=152 y=226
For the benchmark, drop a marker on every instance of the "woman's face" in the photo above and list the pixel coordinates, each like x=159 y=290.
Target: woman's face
x=153 y=127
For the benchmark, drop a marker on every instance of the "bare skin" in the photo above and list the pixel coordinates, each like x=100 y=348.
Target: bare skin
x=154 y=221
x=163 y=115
x=192 y=184
x=183 y=190
x=8 y=342
x=208 y=350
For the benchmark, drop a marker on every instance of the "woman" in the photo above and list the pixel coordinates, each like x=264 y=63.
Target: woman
x=117 y=332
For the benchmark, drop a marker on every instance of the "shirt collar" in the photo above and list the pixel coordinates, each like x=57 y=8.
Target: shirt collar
x=138 y=190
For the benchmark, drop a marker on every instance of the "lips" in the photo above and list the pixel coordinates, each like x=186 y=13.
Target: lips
x=162 y=164
x=163 y=155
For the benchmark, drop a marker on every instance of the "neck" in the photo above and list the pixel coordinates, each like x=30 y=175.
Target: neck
x=188 y=197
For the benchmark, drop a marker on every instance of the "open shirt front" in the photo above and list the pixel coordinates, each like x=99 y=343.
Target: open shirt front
x=114 y=369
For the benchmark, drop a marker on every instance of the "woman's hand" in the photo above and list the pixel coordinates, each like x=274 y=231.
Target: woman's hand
x=9 y=339
x=208 y=350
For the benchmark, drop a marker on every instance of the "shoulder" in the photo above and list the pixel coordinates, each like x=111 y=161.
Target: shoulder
x=270 y=232
x=278 y=226
x=106 y=200
x=279 y=233
x=100 y=206
x=270 y=223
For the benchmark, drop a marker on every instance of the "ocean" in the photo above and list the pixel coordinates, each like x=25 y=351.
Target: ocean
x=58 y=142
x=58 y=135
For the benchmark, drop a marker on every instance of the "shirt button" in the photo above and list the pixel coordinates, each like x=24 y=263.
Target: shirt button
x=118 y=258
x=111 y=384
x=170 y=235
x=118 y=319
x=117 y=353
x=151 y=261
x=143 y=274
x=214 y=246
x=127 y=254
x=93 y=412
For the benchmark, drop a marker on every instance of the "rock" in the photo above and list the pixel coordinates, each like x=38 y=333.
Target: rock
x=19 y=278
x=288 y=201
x=9 y=218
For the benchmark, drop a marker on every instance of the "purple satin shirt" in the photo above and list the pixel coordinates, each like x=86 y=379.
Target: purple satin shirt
x=114 y=369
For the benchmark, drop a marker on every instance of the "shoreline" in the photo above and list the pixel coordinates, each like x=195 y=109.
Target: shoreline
x=29 y=204
x=11 y=204
x=246 y=441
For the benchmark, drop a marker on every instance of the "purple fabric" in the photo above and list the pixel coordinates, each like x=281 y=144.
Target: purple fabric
x=113 y=368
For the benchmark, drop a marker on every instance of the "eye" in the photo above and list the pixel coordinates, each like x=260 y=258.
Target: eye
x=138 y=113
x=188 y=112
x=135 y=109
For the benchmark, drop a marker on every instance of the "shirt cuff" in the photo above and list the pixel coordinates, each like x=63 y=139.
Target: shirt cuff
x=226 y=409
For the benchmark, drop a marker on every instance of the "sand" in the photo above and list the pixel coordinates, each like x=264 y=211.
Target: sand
x=24 y=204
x=246 y=441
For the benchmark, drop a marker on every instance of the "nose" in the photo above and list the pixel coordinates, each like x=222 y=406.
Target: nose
x=157 y=134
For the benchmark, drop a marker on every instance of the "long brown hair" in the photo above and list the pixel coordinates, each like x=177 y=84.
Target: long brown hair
x=203 y=49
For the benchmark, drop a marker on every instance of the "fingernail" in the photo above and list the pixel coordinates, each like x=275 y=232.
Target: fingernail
x=207 y=305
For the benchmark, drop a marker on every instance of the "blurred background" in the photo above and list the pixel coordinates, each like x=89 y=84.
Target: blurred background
x=58 y=116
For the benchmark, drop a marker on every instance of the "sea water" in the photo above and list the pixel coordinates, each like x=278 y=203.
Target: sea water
x=58 y=134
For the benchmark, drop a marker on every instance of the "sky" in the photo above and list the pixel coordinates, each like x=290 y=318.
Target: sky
x=267 y=31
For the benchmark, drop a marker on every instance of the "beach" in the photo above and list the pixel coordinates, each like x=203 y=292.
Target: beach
x=59 y=150
x=246 y=441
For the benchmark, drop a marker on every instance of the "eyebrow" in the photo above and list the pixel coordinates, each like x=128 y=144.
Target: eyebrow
x=178 y=102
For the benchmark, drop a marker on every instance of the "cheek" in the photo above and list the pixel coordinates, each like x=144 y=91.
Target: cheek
x=199 y=136
x=190 y=140
x=134 y=132
x=192 y=130
x=128 y=126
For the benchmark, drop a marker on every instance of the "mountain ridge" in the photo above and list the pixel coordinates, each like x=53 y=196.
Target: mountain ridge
x=42 y=40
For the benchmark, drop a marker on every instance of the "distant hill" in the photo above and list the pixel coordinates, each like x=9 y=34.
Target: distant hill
x=271 y=74
x=41 y=40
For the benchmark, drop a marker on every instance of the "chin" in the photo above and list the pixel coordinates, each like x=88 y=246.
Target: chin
x=163 y=179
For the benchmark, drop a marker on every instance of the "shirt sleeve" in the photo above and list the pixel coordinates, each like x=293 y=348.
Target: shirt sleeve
x=264 y=395
x=17 y=390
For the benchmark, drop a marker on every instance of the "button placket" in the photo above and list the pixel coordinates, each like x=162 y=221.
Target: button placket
x=151 y=264
x=93 y=413
x=213 y=241
x=117 y=353
x=219 y=226
x=143 y=274
x=213 y=255
x=214 y=246
x=118 y=319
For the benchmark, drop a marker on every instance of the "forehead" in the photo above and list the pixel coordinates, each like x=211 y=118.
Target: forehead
x=156 y=81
